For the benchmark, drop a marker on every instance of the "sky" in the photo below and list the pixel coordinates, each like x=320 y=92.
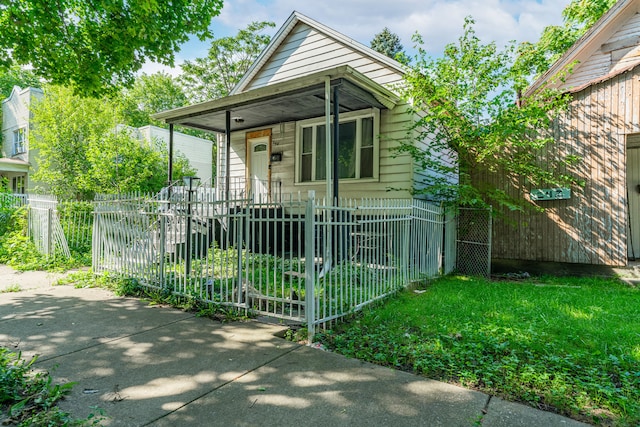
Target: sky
x=438 y=21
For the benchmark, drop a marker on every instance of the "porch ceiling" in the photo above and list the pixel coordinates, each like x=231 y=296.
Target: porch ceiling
x=291 y=100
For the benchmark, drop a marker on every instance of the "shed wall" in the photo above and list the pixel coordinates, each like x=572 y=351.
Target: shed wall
x=611 y=56
x=590 y=227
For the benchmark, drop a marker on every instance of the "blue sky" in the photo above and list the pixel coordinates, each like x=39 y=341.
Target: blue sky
x=438 y=21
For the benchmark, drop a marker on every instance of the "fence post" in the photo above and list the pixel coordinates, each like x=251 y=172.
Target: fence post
x=489 y=239
x=242 y=232
x=49 y=232
x=163 y=249
x=96 y=239
x=310 y=253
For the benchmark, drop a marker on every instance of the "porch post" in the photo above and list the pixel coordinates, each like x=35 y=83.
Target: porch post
x=327 y=133
x=170 y=171
x=227 y=132
x=336 y=139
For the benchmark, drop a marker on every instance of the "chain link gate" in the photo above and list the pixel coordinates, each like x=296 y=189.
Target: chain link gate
x=474 y=242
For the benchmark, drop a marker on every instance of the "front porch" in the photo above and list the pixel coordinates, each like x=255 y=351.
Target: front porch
x=281 y=138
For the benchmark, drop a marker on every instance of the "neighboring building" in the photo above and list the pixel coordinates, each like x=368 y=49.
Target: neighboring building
x=600 y=222
x=18 y=161
x=277 y=115
x=15 y=159
x=198 y=151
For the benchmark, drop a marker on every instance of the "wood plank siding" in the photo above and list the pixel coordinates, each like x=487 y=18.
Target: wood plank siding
x=590 y=227
x=306 y=50
x=620 y=51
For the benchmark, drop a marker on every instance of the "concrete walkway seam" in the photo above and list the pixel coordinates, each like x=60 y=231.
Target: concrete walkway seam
x=221 y=386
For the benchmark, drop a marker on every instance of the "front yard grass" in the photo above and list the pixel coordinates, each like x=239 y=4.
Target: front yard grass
x=568 y=345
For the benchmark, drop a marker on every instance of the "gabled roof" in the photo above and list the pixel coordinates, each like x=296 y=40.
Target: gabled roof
x=590 y=42
x=17 y=91
x=294 y=19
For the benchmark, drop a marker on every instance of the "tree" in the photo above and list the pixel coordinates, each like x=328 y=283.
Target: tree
x=149 y=94
x=154 y=93
x=81 y=153
x=17 y=76
x=466 y=101
x=388 y=43
x=121 y=163
x=228 y=60
x=96 y=45
x=578 y=17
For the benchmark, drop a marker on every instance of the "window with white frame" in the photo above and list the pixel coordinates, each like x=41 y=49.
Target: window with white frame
x=17 y=184
x=19 y=145
x=357 y=147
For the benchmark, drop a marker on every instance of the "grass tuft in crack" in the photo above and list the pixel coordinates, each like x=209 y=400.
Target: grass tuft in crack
x=30 y=398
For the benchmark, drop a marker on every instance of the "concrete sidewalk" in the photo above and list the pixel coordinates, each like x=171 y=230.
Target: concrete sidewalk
x=158 y=366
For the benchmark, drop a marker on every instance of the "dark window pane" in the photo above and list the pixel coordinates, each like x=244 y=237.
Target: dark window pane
x=307 y=142
x=320 y=153
x=347 y=150
x=367 y=131
x=366 y=162
x=305 y=168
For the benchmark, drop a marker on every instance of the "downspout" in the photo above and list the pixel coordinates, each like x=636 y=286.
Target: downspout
x=337 y=231
x=327 y=136
x=326 y=267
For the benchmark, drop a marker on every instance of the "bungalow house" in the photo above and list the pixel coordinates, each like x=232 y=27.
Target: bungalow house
x=18 y=161
x=276 y=126
x=598 y=223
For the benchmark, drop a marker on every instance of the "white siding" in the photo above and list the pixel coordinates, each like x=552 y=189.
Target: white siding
x=238 y=156
x=198 y=151
x=16 y=115
x=602 y=62
x=395 y=171
x=306 y=51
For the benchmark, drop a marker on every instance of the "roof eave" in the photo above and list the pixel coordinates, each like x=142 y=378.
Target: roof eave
x=385 y=96
x=570 y=56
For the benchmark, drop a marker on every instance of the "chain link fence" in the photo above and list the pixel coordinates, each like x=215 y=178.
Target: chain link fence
x=474 y=242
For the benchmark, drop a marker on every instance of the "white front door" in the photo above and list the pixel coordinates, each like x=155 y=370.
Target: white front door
x=259 y=171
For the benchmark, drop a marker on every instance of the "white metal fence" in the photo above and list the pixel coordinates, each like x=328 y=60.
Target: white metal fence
x=298 y=259
x=55 y=227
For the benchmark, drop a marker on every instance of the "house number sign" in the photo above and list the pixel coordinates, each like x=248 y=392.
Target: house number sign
x=551 y=194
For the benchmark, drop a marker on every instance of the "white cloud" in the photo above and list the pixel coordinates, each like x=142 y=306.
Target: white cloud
x=438 y=21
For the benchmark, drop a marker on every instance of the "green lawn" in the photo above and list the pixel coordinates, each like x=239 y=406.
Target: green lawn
x=569 y=345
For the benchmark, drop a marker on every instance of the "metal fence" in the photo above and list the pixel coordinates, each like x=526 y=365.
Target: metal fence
x=474 y=242
x=13 y=200
x=300 y=259
x=55 y=227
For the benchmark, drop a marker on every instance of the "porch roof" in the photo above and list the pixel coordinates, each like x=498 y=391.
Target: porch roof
x=13 y=165
x=291 y=100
